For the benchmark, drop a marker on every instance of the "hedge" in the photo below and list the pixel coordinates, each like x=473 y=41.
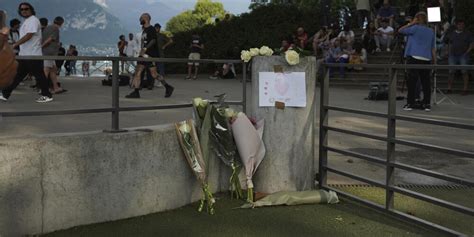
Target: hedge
x=266 y=25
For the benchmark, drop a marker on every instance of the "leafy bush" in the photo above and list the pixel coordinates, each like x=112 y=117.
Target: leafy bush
x=266 y=25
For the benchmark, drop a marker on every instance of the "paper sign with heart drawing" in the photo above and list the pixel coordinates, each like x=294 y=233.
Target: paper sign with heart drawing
x=289 y=88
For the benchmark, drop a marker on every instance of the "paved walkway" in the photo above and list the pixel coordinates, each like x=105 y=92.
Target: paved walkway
x=89 y=93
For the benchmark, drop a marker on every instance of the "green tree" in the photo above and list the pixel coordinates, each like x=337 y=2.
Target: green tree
x=205 y=12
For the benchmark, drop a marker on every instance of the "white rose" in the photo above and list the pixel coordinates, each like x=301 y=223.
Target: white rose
x=266 y=51
x=230 y=113
x=245 y=56
x=254 y=52
x=184 y=128
x=292 y=57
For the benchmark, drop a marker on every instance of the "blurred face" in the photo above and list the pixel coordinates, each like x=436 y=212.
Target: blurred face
x=284 y=44
x=460 y=26
x=300 y=31
x=158 y=29
x=25 y=10
x=122 y=38
x=384 y=25
x=130 y=36
x=16 y=27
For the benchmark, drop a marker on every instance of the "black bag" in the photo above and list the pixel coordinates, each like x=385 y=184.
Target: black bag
x=124 y=80
x=378 y=91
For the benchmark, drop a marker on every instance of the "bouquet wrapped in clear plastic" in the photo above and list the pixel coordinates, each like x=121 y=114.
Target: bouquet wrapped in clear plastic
x=191 y=147
x=223 y=143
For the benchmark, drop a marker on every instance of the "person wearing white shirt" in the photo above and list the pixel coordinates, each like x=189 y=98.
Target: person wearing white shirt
x=30 y=45
x=384 y=36
x=131 y=50
x=347 y=35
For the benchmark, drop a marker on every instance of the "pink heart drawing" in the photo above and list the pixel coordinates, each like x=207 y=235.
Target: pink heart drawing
x=281 y=86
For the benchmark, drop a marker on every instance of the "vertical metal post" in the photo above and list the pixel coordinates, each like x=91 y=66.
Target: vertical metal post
x=391 y=135
x=115 y=95
x=323 y=132
x=244 y=87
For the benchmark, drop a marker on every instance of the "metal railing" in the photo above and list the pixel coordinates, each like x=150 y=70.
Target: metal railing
x=115 y=108
x=389 y=163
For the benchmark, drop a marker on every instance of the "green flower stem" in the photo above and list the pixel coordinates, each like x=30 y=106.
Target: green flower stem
x=208 y=198
x=235 y=187
x=250 y=195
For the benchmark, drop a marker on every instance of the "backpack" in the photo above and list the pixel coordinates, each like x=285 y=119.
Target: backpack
x=378 y=91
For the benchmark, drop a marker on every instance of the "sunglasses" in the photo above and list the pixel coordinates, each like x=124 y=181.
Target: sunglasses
x=24 y=9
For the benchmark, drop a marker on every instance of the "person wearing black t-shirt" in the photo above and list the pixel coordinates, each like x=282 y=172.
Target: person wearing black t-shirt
x=149 y=48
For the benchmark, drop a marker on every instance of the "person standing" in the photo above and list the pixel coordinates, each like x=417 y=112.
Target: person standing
x=59 y=63
x=163 y=42
x=121 y=45
x=420 y=49
x=460 y=45
x=196 y=47
x=51 y=48
x=149 y=49
x=131 y=50
x=363 y=12
x=14 y=34
x=30 y=45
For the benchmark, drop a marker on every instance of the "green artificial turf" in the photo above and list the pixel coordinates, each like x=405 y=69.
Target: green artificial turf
x=424 y=210
x=344 y=219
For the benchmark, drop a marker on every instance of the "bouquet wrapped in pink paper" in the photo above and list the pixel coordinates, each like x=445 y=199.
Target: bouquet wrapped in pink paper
x=248 y=139
x=189 y=142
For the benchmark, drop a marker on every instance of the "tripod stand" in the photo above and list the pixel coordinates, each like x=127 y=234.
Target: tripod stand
x=436 y=90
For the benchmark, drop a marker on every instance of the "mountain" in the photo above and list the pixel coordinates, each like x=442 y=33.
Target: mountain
x=86 y=22
x=129 y=11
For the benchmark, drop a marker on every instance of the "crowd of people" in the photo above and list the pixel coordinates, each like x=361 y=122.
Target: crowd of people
x=385 y=27
x=37 y=37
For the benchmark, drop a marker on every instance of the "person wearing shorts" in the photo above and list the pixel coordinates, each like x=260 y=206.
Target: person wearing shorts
x=460 y=45
x=196 y=47
x=51 y=47
x=149 y=49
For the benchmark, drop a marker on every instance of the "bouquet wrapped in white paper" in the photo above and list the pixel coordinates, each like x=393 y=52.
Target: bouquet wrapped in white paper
x=248 y=139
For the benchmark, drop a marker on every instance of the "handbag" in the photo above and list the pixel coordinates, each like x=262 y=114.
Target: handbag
x=8 y=66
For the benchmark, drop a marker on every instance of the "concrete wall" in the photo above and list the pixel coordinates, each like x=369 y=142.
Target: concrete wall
x=55 y=182
x=288 y=136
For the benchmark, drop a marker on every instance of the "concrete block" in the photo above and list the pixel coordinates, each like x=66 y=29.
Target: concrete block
x=51 y=183
x=288 y=134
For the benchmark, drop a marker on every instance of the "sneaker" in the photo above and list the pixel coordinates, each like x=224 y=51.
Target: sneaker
x=408 y=107
x=2 y=98
x=159 y=84
x=133 y=95
x=378 y=50
x=213 y=78
x=427 y=108
x=388 y=49
x=44 y=99
x=169 y=91
x=188 y=78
